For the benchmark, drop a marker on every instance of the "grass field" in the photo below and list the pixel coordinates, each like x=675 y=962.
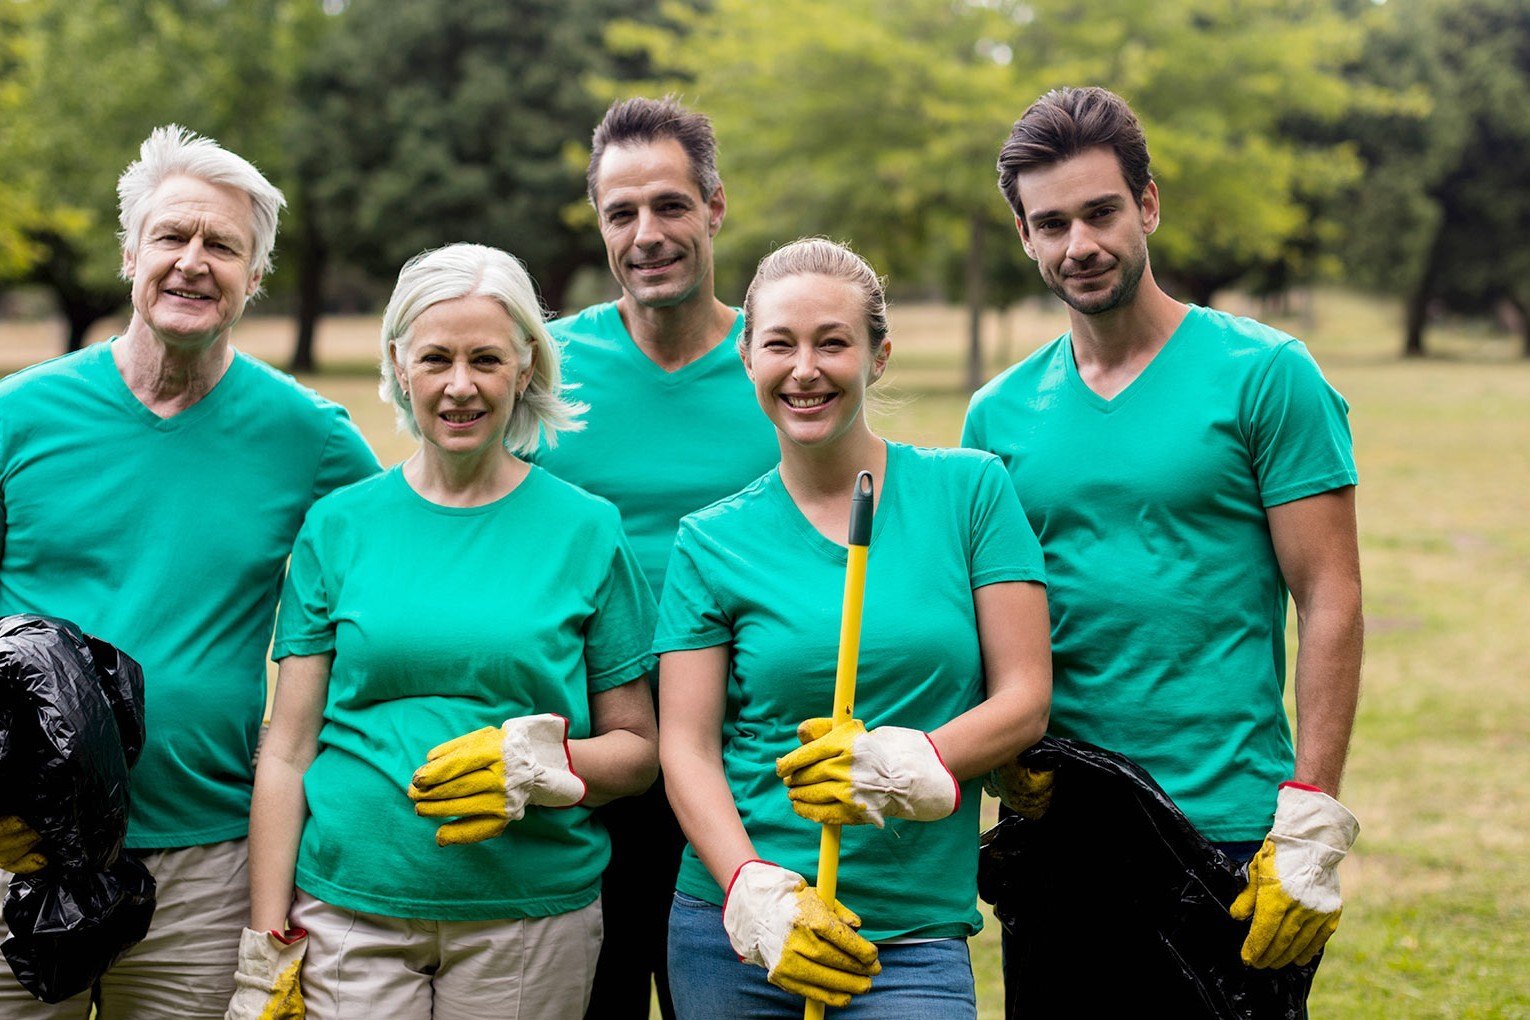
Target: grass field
x=1438 y=888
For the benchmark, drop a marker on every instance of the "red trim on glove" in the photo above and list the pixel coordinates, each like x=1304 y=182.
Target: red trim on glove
x=290 y=936
x=943 y=765
x=752 y=860
x=568 y=756
x=1303 y=786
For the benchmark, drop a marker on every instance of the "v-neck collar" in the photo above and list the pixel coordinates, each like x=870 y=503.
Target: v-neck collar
x=1165 y=353
x=106 y=365
x=815 y=540
x=645 y=365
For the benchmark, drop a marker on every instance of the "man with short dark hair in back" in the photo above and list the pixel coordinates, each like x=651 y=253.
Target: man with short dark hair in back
x=672 y=427
x=1186 y=471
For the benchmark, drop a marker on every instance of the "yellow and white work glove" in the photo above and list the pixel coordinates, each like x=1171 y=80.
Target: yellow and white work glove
x=1025 y=791
x=776 y=920
x=1293 y=881
x=268 y=985
x=485 y=779
x=845 y=775
x=18 y=847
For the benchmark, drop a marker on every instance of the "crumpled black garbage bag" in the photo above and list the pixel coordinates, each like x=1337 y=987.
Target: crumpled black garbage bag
x=71 y=725
x=1114 y=903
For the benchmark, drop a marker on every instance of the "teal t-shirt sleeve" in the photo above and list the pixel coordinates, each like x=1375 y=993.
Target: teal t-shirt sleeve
x=1298 y=430
x=619 y=632
x=690 y=614
x=1004 y=547
x=346 y=457
x=972 y=437
x=303 y=624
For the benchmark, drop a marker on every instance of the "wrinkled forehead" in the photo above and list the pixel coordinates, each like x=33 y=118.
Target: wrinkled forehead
x=645 y=170
x=213 y=208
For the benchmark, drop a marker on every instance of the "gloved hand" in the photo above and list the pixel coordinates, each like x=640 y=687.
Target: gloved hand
x=18 y=847
x=1293 y=881
x=1025 y=791
x=267 y=984
x=844 y=775
x=486 y=778
x=776 y=920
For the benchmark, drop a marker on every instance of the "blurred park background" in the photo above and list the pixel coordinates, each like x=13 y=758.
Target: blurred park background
x=1357 y=173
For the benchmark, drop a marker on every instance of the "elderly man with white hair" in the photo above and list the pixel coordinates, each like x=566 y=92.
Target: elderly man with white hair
x=150 y=491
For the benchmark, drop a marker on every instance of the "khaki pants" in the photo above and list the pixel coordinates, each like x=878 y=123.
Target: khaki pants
x=184 y=967
x=368 y=967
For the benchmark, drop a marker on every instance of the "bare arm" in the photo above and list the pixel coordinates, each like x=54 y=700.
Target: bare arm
x=1318 y=551
x=692 y=700
x=1016 y=637
x=621 y=758
x=280 y=807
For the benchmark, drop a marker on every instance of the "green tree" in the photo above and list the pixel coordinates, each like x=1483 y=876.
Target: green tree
x=1444 y=214
x=880 y=120
x=82 y=82
x=453 y=120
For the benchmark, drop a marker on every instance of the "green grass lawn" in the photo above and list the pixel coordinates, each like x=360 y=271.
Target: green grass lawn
x=1437 y=922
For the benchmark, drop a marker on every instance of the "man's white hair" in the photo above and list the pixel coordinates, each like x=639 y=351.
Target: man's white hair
x=174 y=151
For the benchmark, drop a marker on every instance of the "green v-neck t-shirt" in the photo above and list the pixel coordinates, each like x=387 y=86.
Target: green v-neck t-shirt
x=1168 y=605
x=751 y=572
x=441 y=621
x=167 y=537
x=657 y=444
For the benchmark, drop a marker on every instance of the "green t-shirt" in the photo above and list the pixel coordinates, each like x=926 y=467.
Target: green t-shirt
x=1168 y=605
x=167 y=537
x=753 y=573
x=657 y=444
x=443 y=620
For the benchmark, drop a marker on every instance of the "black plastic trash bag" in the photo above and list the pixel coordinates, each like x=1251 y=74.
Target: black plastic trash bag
x=1114 y=904
x=71 y=725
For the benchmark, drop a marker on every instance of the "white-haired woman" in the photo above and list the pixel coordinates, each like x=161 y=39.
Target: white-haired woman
x=955 y=680
x=461 y=640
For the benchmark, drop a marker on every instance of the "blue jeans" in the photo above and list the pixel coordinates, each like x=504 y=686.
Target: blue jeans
x=919 y=980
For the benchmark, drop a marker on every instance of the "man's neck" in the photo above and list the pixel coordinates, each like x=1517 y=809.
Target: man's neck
x=675 y=336
x=1112 y=348
x=168 y=379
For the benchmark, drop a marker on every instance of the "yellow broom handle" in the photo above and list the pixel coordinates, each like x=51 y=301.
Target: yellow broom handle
x=844 y=678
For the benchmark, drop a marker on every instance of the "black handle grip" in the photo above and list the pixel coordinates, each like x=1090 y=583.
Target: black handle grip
x=861 y=504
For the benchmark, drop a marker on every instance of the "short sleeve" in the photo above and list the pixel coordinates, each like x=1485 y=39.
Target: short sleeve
x=1298 y=430
x=304 y=623
x=690 y=614
x=618 y=633
x=346 y=457
x=1003 y=545
x=972 y=425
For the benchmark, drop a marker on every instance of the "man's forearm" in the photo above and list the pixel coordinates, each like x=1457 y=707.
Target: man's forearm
x=1331 y=638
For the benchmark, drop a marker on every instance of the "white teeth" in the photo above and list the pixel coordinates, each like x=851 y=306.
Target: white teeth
x=807 y=401
x=188 y=294
x=462 y=417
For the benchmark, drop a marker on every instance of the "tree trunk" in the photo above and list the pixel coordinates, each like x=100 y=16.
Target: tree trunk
x=1417 y=309
x=80 y=305
x=1522 y=310
x=976 y=281
x=312 y=263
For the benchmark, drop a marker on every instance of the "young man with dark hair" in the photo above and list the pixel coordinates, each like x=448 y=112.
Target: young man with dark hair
x=1186 y=472
x=672 y=426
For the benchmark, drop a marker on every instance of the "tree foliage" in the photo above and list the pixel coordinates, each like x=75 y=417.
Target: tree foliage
x=82 y=82
x=1444 y=213
x=880 y=120
x=452 y=120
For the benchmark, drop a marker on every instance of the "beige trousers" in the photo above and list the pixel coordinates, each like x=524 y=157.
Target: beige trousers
x=184 y=967
x=368 y=967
